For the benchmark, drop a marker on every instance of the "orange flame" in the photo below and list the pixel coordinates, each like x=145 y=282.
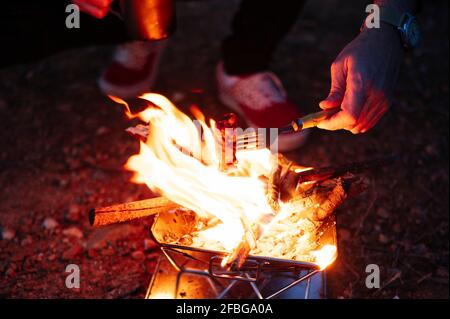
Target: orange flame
x=185 y=168
x=325 y=256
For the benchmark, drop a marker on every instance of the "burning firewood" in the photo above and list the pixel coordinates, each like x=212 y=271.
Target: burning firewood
x=293 y=234
x=312 y=202
x=129 y=211
x=238 y=256
x=274 y=185
x=320 y=201
x=324 y=173
x=273 y=188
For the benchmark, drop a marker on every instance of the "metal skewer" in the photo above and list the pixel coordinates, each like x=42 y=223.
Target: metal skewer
x=251 y=140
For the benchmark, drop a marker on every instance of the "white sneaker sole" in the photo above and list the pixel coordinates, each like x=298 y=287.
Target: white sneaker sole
x=286 y=142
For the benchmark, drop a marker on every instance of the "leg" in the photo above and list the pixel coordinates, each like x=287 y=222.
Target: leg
x=243 y=80
x=257 y=28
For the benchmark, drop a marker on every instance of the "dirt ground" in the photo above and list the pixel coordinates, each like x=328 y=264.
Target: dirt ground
x=63 y=146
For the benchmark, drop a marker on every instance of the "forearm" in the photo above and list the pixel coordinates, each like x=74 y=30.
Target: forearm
x=400 y=5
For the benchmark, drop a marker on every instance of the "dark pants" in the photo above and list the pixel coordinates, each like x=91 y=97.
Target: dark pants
x=31 y=30
x=257 y=28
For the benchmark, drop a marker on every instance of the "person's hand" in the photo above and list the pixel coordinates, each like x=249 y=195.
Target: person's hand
x=363 y=79
x=96 y=8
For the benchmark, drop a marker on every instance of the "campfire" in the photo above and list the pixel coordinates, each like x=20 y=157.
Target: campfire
x=226 y=195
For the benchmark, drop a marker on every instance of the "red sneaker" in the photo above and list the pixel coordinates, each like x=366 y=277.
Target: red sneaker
x=261 y=99
x=133 y=69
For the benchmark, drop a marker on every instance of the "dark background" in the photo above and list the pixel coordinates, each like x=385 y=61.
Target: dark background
x=63 y=146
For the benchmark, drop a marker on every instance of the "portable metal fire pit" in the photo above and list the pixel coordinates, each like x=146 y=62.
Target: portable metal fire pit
x=190 y=272
x=179 y=275
x=184 y=271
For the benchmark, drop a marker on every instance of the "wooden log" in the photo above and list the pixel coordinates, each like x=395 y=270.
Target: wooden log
x=323 y=198
x=273 y=188
x=324 y=173
x=317 y=204
x=128 y=211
